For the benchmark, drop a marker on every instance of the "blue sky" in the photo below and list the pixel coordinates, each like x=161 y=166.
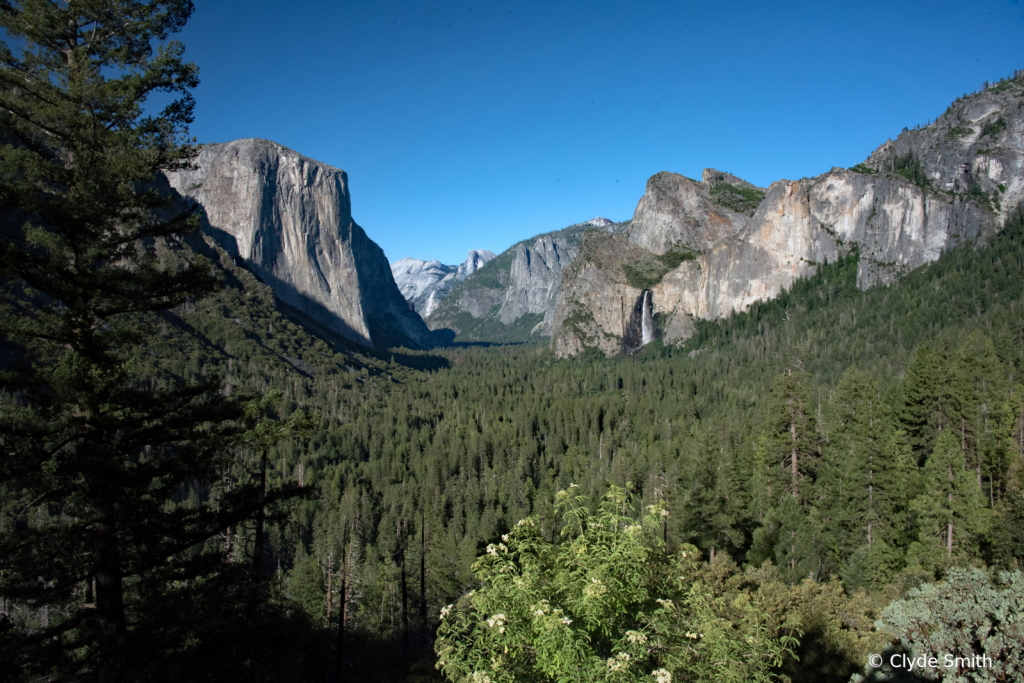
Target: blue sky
x=474 y=125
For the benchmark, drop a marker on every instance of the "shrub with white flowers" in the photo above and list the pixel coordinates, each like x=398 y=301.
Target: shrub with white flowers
x=607 y=603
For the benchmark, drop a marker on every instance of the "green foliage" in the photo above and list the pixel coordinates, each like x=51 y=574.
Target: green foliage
x=865 y=170
x=741 y=199
x=115 y=522
x=950 y=510
x=524 y=329
x=993 y=128
x=647 y=274
x=958 y=132
x=606 y=604
x=973 y=629
x=867 y=475
x=911 y=168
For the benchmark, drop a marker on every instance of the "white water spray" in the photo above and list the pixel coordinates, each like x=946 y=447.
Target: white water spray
x=646 y=326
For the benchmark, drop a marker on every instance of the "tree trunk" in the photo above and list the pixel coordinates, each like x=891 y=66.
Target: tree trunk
x=255 y=569
x=330 y=591
x=346 y=584
x=793 y=456
x=949 y=527
x=109 y=596
x=405 y=590
x=423 y=575
x=871 y=504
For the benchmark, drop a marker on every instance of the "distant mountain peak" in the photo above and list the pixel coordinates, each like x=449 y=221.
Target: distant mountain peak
x=599 y=222
x=425 y=283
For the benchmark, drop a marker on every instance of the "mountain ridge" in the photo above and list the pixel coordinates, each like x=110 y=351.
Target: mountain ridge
x=512 y=297
x=952 y=181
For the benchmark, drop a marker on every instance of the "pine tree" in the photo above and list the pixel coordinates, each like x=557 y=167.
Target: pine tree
x=926 y=405
x=986 y=419
x=951 y=511
x=867 y=472
x=107 y=461
x=789 y=439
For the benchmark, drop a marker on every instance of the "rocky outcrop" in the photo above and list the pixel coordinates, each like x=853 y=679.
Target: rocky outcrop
x=534 y=279
x=975 y=147
x=896 y=225
x=521 y=284
x=932 y=188
x=474 y=262
x=419 y=282
x=598 y=305
x=596 y=302
x=676 y=212
x=425 y=283
x=289 y=219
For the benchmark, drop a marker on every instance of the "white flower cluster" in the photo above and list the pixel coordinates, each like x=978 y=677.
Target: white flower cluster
x=636 y=637
x=595 y=590
x=618 y=662
x=480 y=677
x=654 y=508
x=666 y=604
x=694 y=636
x=662 y=676
x=504 y=537
x=497 y=620
x=633 y=528
x=445 y=611
x=526 y=522
x=493 y=549
x=543 y=608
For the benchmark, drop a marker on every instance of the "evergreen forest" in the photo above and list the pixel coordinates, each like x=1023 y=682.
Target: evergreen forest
x=196 y=487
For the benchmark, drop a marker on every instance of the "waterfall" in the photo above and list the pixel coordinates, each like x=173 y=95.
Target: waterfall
x=646 y=326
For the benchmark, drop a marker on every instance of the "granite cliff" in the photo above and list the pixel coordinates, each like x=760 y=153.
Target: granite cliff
x=512 y=297
x=289 y=219
x=954 y=179
x=425 y=283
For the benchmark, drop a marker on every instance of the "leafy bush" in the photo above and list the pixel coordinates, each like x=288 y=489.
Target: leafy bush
x=607 y=604
x=973 y=630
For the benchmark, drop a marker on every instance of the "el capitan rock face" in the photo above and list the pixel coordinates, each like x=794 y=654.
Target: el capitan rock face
x=289 y=218
x=932 y=188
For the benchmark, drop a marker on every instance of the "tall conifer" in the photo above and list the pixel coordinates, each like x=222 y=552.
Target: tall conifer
x=94 y=455
x=867 y=474
x=951 y=511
